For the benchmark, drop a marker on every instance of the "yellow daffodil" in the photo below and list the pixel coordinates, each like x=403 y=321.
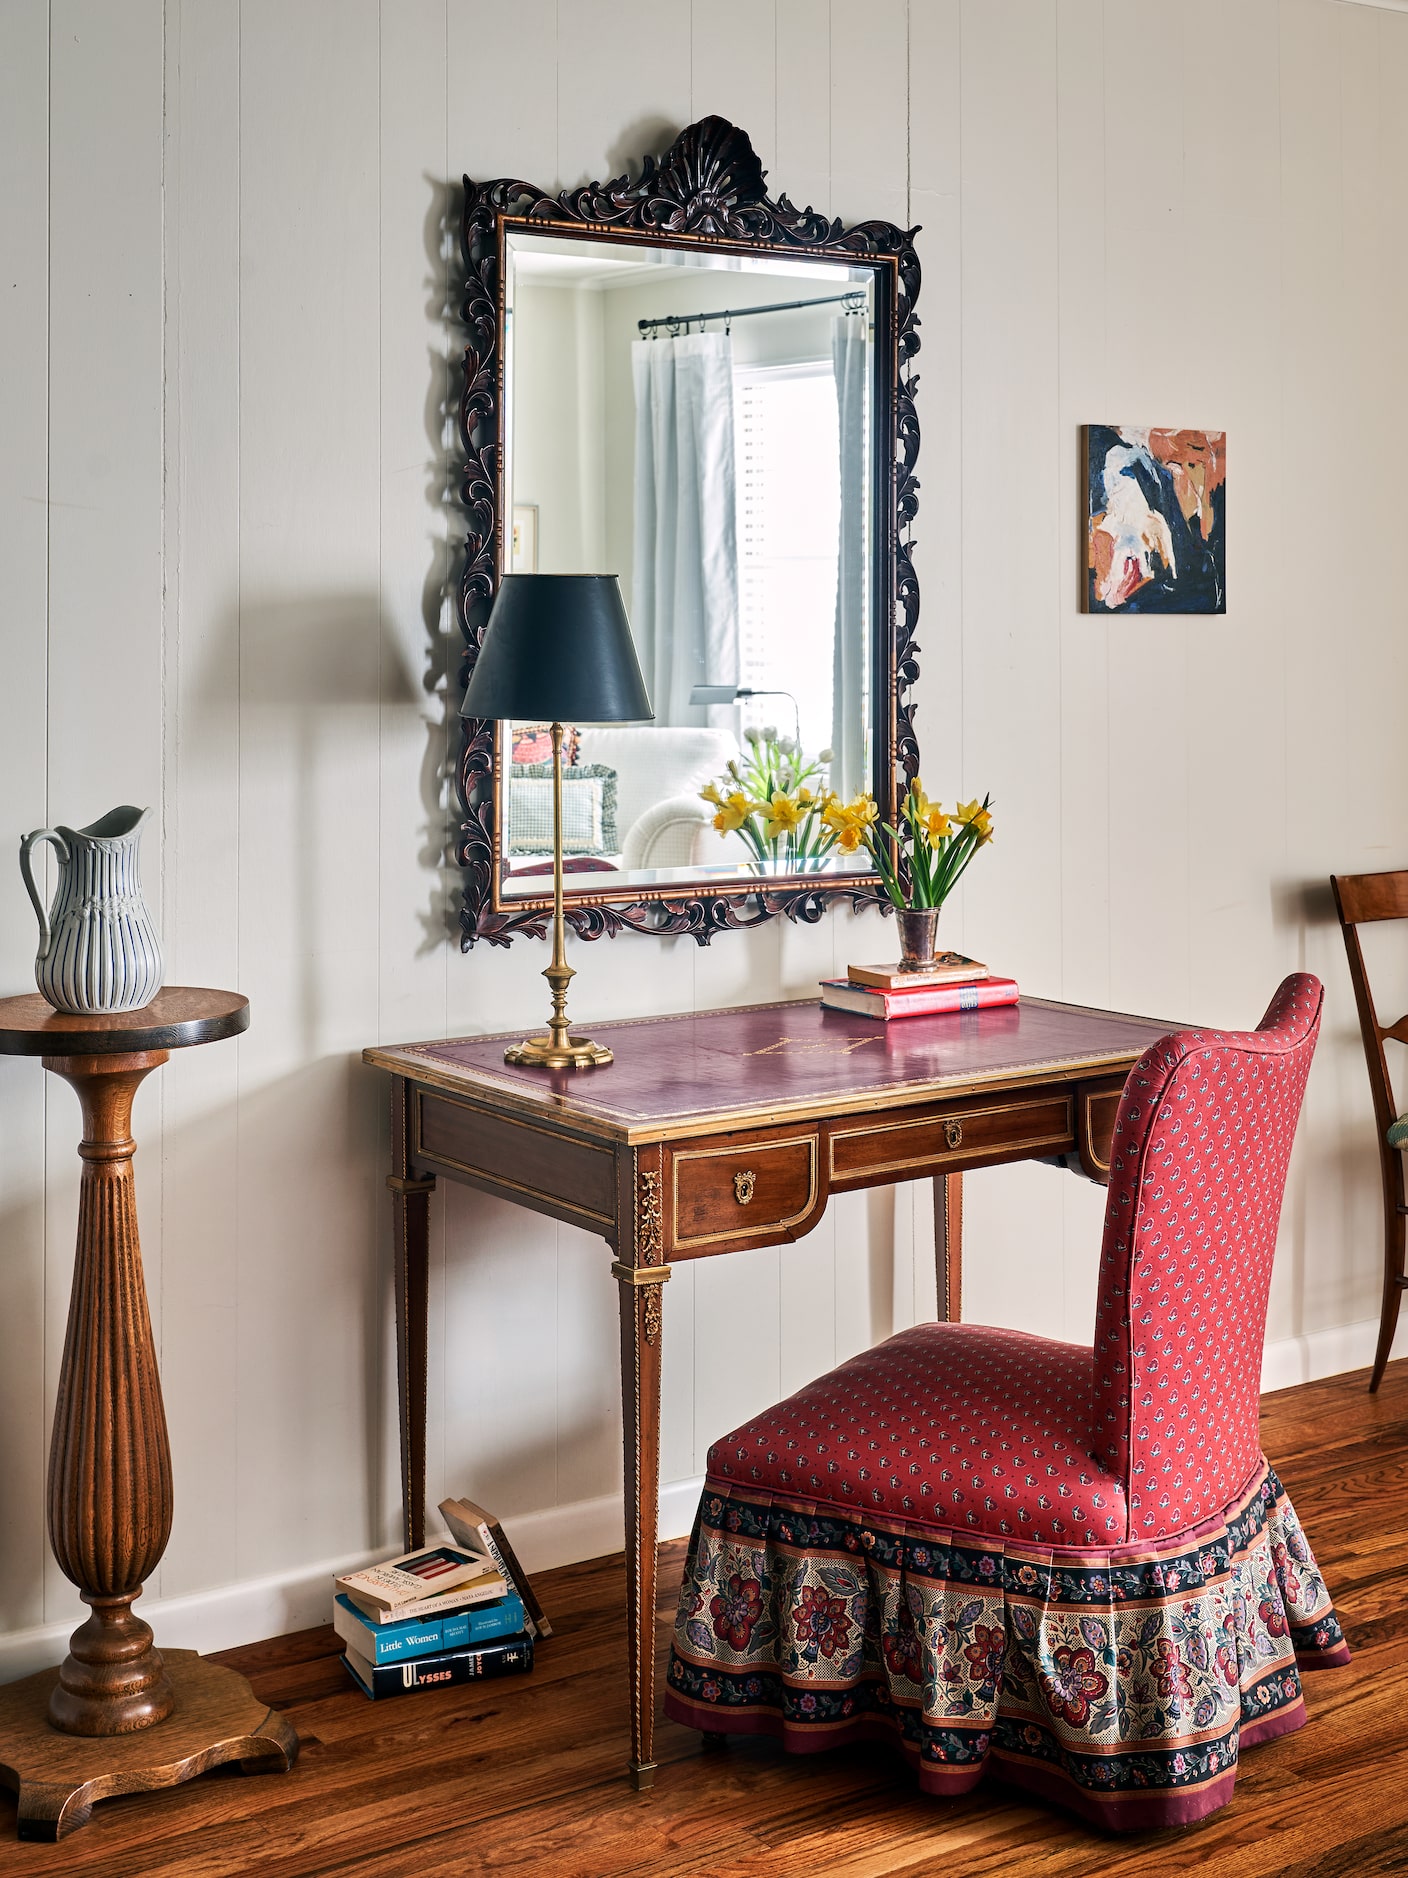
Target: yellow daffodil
x=710 y=793
x=783 y=814
x=849 y=821
x=734 y=811
x=973 y=815
x=935 y=823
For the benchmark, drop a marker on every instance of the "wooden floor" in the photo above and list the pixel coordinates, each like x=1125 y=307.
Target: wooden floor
x=525 y=1776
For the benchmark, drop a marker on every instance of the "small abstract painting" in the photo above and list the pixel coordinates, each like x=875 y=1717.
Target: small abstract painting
x=1156 y=520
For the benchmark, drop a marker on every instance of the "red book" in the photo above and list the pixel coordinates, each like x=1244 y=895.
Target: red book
x=839 y=994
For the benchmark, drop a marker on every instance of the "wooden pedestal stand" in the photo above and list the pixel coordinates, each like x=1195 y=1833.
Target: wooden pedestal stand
x=117 y=1716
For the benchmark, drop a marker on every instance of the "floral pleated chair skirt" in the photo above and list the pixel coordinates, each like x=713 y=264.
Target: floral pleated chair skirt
x=1123 y=1681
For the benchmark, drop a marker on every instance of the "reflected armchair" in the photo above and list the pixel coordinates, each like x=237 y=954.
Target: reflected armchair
x=1074 y=1563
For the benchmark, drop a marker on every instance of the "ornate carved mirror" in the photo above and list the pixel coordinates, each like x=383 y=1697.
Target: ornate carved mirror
x=708 y=392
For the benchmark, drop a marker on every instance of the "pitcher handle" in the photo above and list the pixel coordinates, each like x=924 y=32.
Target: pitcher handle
x=26 y=871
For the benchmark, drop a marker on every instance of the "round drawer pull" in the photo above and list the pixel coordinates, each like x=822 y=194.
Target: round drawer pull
x=953 y=1134
x=743 y=1185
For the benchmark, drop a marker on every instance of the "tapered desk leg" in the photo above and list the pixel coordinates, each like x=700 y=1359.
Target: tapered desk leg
x=641 y=1328
x=948 y=1245
x=410 y=1211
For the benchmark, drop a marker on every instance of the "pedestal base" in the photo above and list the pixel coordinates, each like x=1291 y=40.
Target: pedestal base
x=58 y=1777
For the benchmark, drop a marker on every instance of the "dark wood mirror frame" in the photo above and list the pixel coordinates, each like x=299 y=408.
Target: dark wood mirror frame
x=708 y=192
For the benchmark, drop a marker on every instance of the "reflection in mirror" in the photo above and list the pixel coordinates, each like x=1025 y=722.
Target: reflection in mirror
x=700 y=424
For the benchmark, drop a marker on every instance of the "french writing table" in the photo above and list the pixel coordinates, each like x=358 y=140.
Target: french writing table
x=718 y=1132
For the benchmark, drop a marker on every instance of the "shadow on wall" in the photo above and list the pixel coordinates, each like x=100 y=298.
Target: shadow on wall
x=317 y=676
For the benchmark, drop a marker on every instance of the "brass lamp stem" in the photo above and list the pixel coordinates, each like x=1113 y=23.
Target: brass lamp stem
x=558 y=1049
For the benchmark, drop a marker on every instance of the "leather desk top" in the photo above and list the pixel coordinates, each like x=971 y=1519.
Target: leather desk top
x=707 y=1071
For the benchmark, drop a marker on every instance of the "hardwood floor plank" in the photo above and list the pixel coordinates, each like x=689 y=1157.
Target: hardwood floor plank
x=525 y=1776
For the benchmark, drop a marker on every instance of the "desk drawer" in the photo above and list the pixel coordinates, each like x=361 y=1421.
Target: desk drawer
x=742 y=1188
x=951 y=1137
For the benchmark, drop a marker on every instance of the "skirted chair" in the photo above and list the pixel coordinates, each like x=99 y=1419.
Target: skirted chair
x=1074 y=1564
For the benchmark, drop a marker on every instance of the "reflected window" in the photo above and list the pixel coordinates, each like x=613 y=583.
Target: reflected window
x=789 y=504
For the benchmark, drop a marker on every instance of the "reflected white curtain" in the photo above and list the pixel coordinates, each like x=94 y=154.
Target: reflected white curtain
x=849 y=350
x=684 y=598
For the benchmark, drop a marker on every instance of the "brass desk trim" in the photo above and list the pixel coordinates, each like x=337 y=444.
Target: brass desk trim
x=473 y=1171
x=748 y=1227
x=509 y=1093
x=974 y=1155
x=640 y=1274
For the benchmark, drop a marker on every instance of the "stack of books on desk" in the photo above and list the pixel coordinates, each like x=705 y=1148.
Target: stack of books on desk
x=954 y=983
x=442 y=1614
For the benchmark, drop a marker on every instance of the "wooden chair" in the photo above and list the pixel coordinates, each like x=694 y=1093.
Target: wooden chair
x=1073 y=1561
x=1362 y=898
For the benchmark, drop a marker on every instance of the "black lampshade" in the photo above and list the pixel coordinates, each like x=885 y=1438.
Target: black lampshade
x=558 y=648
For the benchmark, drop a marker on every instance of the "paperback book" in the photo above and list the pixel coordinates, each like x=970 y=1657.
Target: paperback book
x=456 y=1630
x=429 y=1572
x=840 y=994
x=509 y=1656
x=476 y=1528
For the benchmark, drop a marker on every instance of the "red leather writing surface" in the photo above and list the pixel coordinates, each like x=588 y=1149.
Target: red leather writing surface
x=795 y=1054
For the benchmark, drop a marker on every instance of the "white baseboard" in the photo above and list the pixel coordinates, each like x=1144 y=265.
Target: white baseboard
x=1321 y=1353
x=228 y=1615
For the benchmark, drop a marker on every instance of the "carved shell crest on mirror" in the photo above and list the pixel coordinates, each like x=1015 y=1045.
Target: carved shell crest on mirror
x=782 y=662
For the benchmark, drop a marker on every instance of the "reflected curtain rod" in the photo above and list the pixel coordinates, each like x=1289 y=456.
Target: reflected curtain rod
x=854 y=303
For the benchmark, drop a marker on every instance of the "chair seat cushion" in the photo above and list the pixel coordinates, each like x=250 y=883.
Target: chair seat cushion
x=960 y=1425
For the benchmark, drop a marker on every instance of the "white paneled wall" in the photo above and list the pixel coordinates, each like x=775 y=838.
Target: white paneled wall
x=227 y=267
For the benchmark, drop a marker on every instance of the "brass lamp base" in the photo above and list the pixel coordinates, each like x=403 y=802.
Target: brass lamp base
x=552 y=1052
x=558 y=1049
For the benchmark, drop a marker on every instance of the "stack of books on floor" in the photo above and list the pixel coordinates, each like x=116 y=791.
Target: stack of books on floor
x=442 y=1614
x=953 y=983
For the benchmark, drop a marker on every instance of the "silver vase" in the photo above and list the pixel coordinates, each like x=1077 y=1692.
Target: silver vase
x=917 y=927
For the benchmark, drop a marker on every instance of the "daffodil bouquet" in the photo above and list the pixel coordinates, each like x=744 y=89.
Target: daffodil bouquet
x=931 y=847
x=777 y=801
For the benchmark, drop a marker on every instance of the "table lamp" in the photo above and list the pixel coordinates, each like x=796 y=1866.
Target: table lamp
x=558 y=646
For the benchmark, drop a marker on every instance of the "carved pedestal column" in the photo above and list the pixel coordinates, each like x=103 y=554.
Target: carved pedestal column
x=109 y=1458
x=116 y=1717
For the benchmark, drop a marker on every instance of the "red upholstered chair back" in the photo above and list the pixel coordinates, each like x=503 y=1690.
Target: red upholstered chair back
x=1197 y=1173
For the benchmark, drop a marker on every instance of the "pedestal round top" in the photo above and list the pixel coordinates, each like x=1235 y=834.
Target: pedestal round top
x=177 y=1015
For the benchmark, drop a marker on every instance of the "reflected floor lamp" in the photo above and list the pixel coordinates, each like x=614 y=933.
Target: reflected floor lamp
x=558 y=646
x=730 y=694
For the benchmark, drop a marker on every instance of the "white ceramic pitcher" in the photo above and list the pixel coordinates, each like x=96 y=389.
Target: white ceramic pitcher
x=98 y=949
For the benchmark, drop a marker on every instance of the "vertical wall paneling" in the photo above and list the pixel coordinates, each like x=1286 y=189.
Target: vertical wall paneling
x=24 y=549
x=417 y=271
x=202 y=1183
x=105 y=696
x=311 y=654
x=1011 y=666
x=229 y=281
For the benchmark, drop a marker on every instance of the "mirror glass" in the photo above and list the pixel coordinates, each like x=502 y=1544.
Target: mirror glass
x=701 y=424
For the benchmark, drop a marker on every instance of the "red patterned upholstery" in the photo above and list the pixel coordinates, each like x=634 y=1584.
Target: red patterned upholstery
x=977 y=1429
x=1201 y=1146
x=1073 y=1562
x=991 y=1431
